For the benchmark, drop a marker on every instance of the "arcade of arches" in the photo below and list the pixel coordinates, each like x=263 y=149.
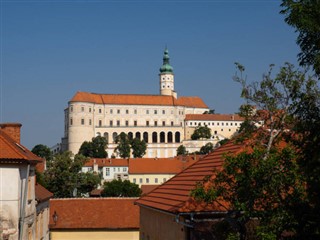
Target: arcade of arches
x=154 y=137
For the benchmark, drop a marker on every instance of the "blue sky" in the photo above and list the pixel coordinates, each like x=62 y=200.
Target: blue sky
x=52 y=49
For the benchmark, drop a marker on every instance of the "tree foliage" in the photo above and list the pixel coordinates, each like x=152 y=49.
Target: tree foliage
x=138 y=147
x=94 y=149
x=123 y=148
x=206 y=149
x=42 y=151
x=119 y=188
x=304 y=17
x=181 y=150
x=201 y=132
x=277 y=185
x=65 y=179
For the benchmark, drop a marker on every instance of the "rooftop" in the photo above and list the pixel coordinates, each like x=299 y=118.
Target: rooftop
x=214 y=117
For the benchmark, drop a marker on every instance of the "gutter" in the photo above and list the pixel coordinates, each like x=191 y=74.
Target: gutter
x=23 y=204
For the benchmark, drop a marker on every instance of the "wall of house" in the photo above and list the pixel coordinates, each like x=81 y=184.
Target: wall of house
x=42 y=221
x=155 y=225
x=95 y=235
x=152 y=179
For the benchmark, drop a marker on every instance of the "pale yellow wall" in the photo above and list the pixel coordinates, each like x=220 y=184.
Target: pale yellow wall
x=94 y=235
x=158 y=226
x=161 y=178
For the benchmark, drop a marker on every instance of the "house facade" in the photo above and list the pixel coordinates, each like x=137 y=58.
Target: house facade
x=20 y=212
x=157 y=119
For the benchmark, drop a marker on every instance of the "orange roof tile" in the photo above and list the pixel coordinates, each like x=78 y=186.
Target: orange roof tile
x=11 y=151
x=214 y=117
x=42 y=194
x=97 y=213
x=107 y=162
x=174 y=195
x=138 y=99
x=161 y=165
x=147 y=188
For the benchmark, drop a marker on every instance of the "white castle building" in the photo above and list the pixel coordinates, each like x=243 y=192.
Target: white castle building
x=160 y=120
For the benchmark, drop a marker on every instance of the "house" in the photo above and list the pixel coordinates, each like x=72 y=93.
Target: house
x=150 y=171
x=24 y=205
x=94 y=218
x=169 y=212
x=109 y=169
x=160 y=120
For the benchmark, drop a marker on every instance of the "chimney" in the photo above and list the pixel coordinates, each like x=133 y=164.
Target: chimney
x=12 y=130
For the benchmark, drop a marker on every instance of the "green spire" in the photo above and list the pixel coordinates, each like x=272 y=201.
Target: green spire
x=166 y=67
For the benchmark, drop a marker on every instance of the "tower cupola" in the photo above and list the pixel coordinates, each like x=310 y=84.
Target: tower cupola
x=166 y=76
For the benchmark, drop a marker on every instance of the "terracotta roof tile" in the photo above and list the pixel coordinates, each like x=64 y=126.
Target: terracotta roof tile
x=138 y=99
x=213 y=117
x=107 y=162
x=11 y=151
x=161 y=165
x=42 y=194
x=97 y=213
x=147 y=188
x=174 y=195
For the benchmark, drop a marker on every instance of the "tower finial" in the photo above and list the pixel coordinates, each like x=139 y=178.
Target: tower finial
x=166 y=67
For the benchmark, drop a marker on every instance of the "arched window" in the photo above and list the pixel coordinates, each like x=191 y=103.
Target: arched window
x=138 y=135
x=177 y=137
x=145 y=137
x=154 y=137
x=169 y=137
x=162 y=137
x=106 y=136
x=130 y=135
x=98 y=134
x=114 y=136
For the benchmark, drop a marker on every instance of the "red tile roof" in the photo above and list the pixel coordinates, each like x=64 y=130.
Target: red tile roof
x=174 y=195
x=213 y=117
x=138 y=99
x=148 y=188
x=107 y=162
x=42 y=194
x=161 y=165
x=13 y=152
x=94 y=213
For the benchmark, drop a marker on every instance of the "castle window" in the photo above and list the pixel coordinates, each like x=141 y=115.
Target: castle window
x=163 y=111
x=155 y=112
x=71 y=109
x=230 y=124
x=147 y=123
x=127 y=123
x=107 y=171
x=89 y=109
x=140 y=180
x=147 y=180
x=229 y=130
x=118 y=123
x=82 y=109
x=127 y=111
x=90 y=122
x=134 y=180
x=212 y=123
x=100 y=123
x=236 y=124
x=135 y=111
x=171 y=123
x=226 y=124
x=218 y=124
x=163 y=123
x=135 y=123
x=156 y=180
x=111 y=111
x=100 y=110
x=118 y=111
x=222 y=124
x=82 y=121
x=147 y=111
x=190 y=123
x=71 y=121
x=111 y=123
x=221 y=129
x=155 y=123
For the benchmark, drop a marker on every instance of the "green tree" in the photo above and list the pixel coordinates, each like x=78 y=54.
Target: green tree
x=206 y=149
x=211 y=111
x=119 y=188
x=304 y=17
x=268 y=182
x=42 y=151
x=201 y=132
x=94 y=149
x=64 y=177
x=139 y=148
x=181 y=150
x=123 y=148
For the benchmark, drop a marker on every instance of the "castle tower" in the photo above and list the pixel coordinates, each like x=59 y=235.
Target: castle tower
x=166 y=76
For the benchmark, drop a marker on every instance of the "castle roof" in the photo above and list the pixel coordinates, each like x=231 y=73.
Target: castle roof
x=138 y=99
x=213 y=117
